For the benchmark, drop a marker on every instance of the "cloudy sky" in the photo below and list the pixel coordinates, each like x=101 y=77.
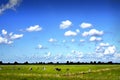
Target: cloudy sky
x=59 y=30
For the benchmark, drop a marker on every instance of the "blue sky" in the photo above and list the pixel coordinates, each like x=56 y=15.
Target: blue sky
x=59 y=30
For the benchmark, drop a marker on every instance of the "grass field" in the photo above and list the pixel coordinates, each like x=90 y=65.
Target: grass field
x=68 y=72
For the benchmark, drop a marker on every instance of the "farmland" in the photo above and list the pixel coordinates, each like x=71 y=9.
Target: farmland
x=66 y=72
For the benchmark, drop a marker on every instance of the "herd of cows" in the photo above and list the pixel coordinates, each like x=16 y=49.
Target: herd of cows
x=43 y=68
x=57 y=69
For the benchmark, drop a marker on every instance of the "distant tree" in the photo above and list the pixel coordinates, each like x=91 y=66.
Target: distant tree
x=40 y=62
x=78 y=62
x=91 y=62
x=71 y=62
x=67 y=62
x=43 y=62
x=57 y=63
x=15 y=62
x=94 y=62
x=36 y=63
x=99 y=62
x=83 y=62
x=110 y=62
x=50 y=62
x=26 y=62
x=1 y=62
x=8 y=63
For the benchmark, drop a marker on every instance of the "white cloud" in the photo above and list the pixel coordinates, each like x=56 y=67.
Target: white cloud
x=9 y=38
x=100 y=49
x=52 y=40
x=92 y=32
x=104 y=44
x=84 y=34
x=48 y=55
x=4 y=32
x=10 y=5
x=9 y=42
x=70 y=33
x=10 y=34
x=65 y=24
x=58 y=56
x=82 y=40
x=3 y=40
x=77 y=30
x=40 y=46
x=72 y=40
x=34 y=28
x=117 y=55
x=106 y=49
x=110 y=50
x=77 y=54
x=93 y=38
x=16 y=36
x=86 y=25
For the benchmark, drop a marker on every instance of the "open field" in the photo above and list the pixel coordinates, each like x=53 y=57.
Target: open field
x=67 y=72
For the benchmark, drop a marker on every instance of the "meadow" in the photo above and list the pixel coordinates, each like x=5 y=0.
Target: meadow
x=66 y=72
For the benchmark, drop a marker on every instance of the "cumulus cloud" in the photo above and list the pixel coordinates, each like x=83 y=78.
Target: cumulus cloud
x=41 y=46
x=104 y=44
x=82 y=40
x=84 y=34
x=4 y=32
x=3 y=40
x=10 y=5
x=48 y=55
x=106 y=50
x=86 y=25
x=92 y=32
x=34 y=28
x=16 y=36
x=93 y=38
x=77 y=54
x=77 y=30
x=11 y=33
x=72 y=40
x=117 y=55
x=58 y=56
x=70 y=33
x=52 y=40
x=65 y=24
x=110 y=50
x=9 y=38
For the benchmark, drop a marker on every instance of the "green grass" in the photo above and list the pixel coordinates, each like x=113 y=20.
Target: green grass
x=76 y=72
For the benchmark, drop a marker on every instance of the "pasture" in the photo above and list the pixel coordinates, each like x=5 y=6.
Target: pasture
x=59 y=72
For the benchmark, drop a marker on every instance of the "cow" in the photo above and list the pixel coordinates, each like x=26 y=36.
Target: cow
x=57 y=69
x=30 y=68
x=67 y=69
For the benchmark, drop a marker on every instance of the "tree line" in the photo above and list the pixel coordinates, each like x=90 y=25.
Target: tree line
x=66 y=63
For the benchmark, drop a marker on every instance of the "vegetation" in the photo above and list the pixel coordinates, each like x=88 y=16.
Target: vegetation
x=60 y=72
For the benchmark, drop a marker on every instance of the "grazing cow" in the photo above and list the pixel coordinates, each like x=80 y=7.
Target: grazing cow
x=18 y=68
x=89 y=70
x=30 y=69
x=67 y=69
x=37 y=68
x=57 y=69
x=44 y=68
